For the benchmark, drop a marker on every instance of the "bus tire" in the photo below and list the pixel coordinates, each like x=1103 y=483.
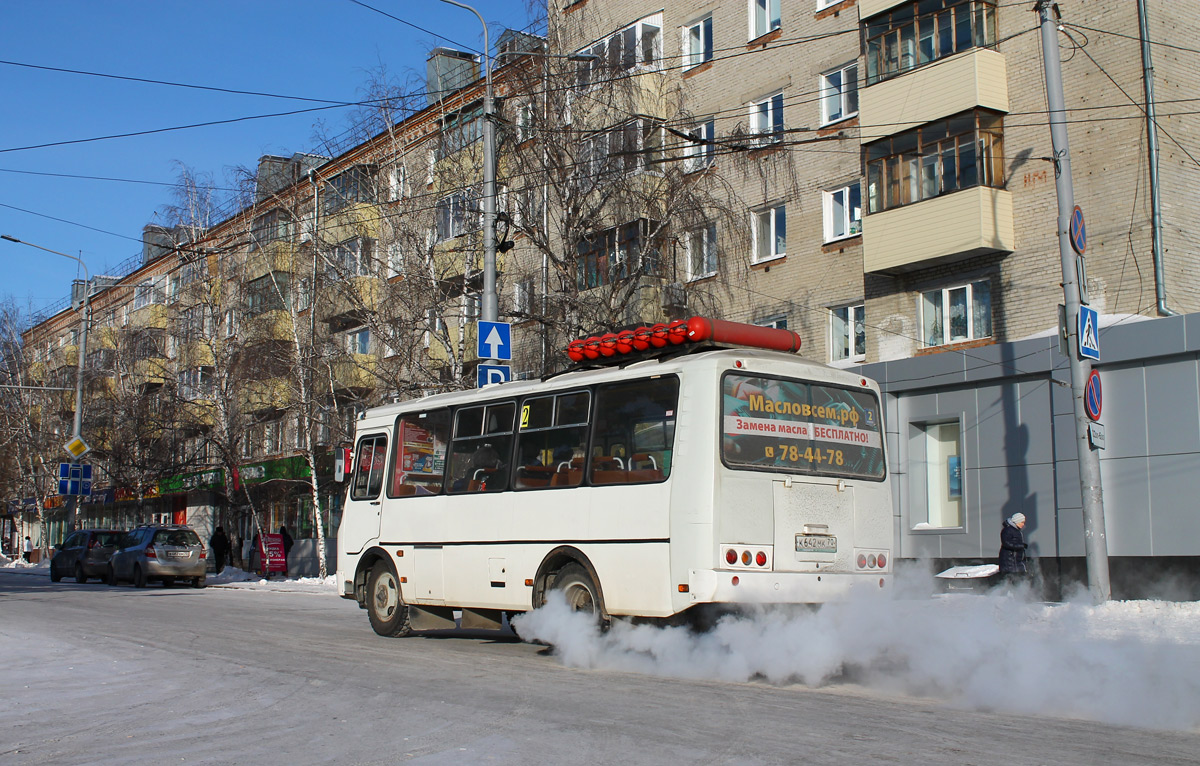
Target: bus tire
x=581 y=593
x=385 y=606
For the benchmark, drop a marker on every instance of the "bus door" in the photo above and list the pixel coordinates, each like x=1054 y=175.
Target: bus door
x=360 y=519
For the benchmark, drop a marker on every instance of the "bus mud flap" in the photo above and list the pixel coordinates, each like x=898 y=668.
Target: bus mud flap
x=481 y=619
x=431 y=618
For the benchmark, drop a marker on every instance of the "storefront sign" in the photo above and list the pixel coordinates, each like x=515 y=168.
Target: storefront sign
x=211 y=479
x=295 y=467
x=270 y=552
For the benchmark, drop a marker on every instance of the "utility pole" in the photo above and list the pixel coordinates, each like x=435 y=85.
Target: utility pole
x=489 y=309
x=1095 y=541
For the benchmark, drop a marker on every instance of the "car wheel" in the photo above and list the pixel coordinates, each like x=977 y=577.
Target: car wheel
x=199 y=582
x=167 y=582
x=112 y=575
x=387 y=610
x=54 y=576
x=139 y=578
x=80 y=577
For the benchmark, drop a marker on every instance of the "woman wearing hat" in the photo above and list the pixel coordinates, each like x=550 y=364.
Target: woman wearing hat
x=1012 y=546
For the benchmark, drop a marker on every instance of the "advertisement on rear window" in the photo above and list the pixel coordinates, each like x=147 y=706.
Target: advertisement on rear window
x=796 y=427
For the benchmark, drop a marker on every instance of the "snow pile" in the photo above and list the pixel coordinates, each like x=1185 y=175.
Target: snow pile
x=20 y=563
x=232 y=577
x=1135 y=663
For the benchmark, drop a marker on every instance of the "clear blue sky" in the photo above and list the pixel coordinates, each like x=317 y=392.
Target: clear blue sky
x=320 y=49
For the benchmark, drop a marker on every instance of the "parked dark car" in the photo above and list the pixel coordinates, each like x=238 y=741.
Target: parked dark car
x=84 y=554
x=163 y=553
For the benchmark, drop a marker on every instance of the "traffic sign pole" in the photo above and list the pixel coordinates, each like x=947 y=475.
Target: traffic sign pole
x=1071 y=235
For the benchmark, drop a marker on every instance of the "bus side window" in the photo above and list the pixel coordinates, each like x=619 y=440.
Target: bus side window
x=421 y=442
x=482 y=448
x=369 y=467
x=552 y=441
x=634 y=431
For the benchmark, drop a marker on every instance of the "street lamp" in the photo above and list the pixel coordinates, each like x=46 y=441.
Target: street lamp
x=83 y=328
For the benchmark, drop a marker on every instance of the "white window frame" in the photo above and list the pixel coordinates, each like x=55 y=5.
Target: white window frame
x=849 y=221
x=843 y=325
x=350 y=258
x=777 y=322
x=764 y=16
x=704 y=239
x=355 y=340
x=523 y=122
x=697 y=42
x=944 y=293
x=435 y=325
x=588 y=71
x=524 y=292
x=845 y=94
x=774 y=219
x=395 y=259
x=823 y=4
x=766 y=119
x=698 y=154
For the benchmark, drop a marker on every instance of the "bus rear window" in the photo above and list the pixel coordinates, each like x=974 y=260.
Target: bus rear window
x=791 y=426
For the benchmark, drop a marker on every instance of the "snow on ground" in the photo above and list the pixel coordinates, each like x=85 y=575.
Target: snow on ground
x=1126 y=662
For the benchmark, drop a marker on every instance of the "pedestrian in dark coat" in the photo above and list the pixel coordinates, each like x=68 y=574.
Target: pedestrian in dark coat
x=287 y=547
x=220 y=549
x=1012 y=546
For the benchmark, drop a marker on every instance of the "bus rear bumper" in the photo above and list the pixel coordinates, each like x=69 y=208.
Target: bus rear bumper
x=741 y=587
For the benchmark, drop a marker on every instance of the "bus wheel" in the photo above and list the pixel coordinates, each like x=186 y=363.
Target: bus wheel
x=575 y=583
x=388 y=613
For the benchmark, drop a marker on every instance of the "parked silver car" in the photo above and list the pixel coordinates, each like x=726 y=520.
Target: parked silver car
x=165 y=553
x=84 y=554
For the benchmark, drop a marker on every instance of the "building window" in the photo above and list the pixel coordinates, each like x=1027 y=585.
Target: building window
x=523 y=297
x=267 y=293
x=472 y=303
x=359 y=341
x=460 y=130
x=148 y=292
x=937 y=448
x=637 y=45
x=955 y=314
x=839 y=94
x=770 y=233
x=917 y=33
x=348 y=188
x=615 y=254
x=628 y=148
x=964 y=151
x=698 y=153
x=395 y=259
x=194 y=383
x=843 y=212
x=272 y=226
x=697 y=43
x=524 y=122
x=702 y=252
x=454 y=216
x=848 y=335
x=397 y=183
x=766 y=119
x=435 y=327
x=304 y=294
x=764 y=16
x=351 y=258
x=823 y=4
x=777 y=322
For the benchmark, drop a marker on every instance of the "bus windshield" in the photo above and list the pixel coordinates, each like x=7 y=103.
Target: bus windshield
x=791 y=426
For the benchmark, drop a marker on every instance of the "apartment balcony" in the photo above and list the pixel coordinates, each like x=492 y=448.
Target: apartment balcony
x=463 y=339
x=150 y=316
x=154 y=371
x=279 y=255
x=105 y=337
x=269 y=326
x=944 y=229
x=350 y=298
x=868 y=8
x=64 y=356
x=977 y=78
x=358 y=219
x=264 y=395
x=196 y=353
x=355 y=372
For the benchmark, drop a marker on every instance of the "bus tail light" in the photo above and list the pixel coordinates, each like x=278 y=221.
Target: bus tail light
x=881 y=560
x=746 y=558
x=760 y=558
x=731 y=556
x=871 y=561
x=862 y=561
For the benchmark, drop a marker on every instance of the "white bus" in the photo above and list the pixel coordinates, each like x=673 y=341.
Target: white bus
x=690 y=471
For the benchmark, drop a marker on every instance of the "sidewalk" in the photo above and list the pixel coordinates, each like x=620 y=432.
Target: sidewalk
x=231 y=577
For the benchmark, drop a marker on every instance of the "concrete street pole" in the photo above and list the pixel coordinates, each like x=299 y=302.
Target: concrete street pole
x=84 y=321
x=490 y=308
x=1095 y=541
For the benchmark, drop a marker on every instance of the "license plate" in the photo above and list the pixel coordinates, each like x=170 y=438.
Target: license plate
x=816 y=544
x=178 y=554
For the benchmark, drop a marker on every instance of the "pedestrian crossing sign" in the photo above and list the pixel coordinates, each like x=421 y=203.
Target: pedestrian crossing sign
x=1089 y=333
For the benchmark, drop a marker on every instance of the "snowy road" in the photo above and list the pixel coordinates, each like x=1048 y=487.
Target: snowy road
x=100 y=675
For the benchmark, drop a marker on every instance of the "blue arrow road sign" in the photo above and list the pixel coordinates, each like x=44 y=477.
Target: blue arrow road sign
x=493 y=373
x=494 y=340
x=1089 y=333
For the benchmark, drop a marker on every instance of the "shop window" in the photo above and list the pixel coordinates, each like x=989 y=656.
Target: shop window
x=935 y=449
